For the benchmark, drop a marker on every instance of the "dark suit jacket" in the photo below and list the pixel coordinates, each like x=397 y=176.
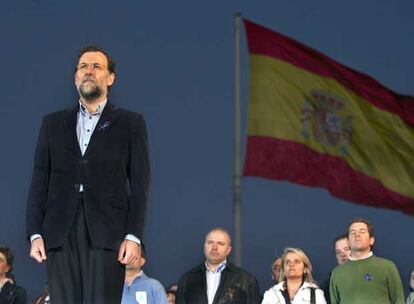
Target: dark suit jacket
x=114 y=172
x=13 y=294
x=236 y=286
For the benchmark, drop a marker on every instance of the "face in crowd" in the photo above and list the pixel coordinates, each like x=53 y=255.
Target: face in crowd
x=342 y=251
x=293 y=266
x=360 y=238
x=277 y=265
x=4 y=266
x=137 y=264
x=171 y=297
x=92 y=77
x=217 y=247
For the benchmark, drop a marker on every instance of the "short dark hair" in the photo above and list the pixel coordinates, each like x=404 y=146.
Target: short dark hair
x=340 y=237
x=370 y=227
x=173 y=287
x=95 y=48
x=9 y=257
x=143 y=250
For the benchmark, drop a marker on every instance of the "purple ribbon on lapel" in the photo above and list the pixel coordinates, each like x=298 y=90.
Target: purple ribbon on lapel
x=104 y=125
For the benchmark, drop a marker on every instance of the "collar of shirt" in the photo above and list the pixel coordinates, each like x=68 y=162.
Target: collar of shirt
x=139 y=275
x=99 y=109
x=363 y=258
x=219 y=269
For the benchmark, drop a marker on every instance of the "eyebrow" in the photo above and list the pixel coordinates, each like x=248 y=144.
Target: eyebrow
x=360 y=229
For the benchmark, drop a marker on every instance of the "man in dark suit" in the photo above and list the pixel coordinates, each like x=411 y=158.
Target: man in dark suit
x=216 y=280
x=88 y=195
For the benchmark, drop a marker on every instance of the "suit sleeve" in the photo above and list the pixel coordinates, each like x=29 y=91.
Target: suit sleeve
x=139 y=178
x=39 y=184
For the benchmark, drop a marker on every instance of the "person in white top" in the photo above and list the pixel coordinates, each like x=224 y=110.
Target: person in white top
x=296 y=284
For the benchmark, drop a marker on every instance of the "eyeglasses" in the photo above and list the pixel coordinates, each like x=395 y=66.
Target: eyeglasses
x=84 y=67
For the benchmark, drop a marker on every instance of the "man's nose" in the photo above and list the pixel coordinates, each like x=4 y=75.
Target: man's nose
x=90 y=68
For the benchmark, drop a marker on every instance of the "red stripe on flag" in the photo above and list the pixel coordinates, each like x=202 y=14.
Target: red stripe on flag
x=263 y=41
x=286 y=160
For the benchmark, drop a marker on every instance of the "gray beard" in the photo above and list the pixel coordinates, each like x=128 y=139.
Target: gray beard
x=89 y=93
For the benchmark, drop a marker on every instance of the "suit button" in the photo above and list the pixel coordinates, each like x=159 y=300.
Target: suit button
x=77 y=186
x=85 y=186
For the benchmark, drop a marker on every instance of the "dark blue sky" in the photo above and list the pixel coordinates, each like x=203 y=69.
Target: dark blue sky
x=175 y=65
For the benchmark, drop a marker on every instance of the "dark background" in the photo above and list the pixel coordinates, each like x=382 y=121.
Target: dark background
x=175 y=65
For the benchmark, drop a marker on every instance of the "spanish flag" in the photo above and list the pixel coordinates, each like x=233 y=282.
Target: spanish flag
x=316 y=122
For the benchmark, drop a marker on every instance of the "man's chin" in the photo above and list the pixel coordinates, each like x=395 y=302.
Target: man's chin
x=215 y=261
x=89 y=94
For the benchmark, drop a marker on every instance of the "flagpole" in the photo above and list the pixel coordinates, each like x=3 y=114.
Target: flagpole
x=237 y=244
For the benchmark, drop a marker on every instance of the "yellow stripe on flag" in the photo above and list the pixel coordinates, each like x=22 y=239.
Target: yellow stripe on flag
x=290 y=103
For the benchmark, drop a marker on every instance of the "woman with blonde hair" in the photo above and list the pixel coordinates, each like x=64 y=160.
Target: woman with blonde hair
x=296 y=284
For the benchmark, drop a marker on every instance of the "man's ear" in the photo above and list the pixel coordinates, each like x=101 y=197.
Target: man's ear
x=111 y=79
x=371 y=241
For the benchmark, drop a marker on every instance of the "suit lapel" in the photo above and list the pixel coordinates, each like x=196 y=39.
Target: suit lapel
x=105 y=122
x=70 y=120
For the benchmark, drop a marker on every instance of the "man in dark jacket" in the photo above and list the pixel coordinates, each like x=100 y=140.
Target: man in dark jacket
x=217 y=281
x=88 y=196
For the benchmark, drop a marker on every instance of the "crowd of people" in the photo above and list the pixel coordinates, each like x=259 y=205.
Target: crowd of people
x=360 y=277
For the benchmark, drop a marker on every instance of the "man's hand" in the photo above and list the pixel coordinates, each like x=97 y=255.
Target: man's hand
x=37 y=250
x=129 y=251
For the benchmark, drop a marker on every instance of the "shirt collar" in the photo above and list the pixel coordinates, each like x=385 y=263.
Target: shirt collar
x=363 y=258
x=138 y=276
x=141 y=273
x=219 y=269
x=99 y=109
